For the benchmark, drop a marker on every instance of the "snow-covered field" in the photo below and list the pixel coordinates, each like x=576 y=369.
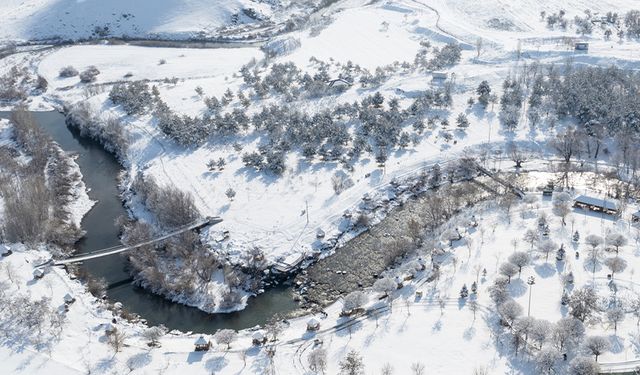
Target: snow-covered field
x=175 y=19
x=282 y=215
x=412 y=329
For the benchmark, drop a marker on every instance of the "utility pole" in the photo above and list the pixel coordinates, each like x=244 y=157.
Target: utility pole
x=306 y=202
x=531 y=280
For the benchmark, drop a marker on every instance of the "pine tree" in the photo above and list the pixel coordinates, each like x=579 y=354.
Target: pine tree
x=484 y=93
x=484 y=272
x=464 y=292
x=576 y=237
x=462 y=121
x=474 y=288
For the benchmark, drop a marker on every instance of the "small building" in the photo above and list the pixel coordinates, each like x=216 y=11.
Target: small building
x=548 y=190
x=635 y=217
x=5 y=251
x=109 y=329
x=596 y=204
x=202 y=344
x=582 y=46
x=69 y=299
x=258 y=338
x=313 y=325
x=38 y=273
x=439 y=76
x=320 y=233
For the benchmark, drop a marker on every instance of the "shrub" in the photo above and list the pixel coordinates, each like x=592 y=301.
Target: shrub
x=68 y=71
x=89 y=75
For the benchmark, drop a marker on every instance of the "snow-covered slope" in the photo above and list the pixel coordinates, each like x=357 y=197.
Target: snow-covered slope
x=72 y=19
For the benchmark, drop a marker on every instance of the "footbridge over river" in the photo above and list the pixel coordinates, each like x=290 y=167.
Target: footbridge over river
x=198 y=224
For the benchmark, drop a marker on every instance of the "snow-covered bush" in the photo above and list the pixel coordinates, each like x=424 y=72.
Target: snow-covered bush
x=89 y=75
x=68 y=71
x=134 y=97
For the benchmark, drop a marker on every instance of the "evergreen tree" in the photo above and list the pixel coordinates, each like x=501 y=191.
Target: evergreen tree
x=464 y=292
x=484 y=93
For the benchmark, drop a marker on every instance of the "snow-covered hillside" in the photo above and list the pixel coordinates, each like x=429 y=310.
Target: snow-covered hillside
x=173 y=19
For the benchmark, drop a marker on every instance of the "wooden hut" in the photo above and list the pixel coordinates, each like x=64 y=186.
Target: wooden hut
x=5 y=250
x=439 y=76
x=608 y=206
x=202 y=344
x=38 y=273
x=258 y=338
x=69 y=299
x=582 y=46
x=313 y=325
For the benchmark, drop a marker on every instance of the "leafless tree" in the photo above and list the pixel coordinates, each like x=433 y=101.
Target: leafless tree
x=615 y=265
x=387 y=369
x=418 y=368
x=116 y=340
x=546 y=246
x=352 y=364
x=510 y=311
x=153 y=334
x=615 y=315
x=584 y=366
x=596 y=345
x=225 y=337
x=508 y=269
x=616 y=240
x=318 y=360
x=520 y=259
x=354 y=300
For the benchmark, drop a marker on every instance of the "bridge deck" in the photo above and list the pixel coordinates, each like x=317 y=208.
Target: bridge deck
x=120 y=249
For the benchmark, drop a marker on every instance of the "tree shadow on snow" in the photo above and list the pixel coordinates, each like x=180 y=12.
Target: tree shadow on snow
x=517 y=287
x=545 y=270
x=216 y=364
x=617 y=344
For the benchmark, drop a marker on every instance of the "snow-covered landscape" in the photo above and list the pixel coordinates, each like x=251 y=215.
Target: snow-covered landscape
x=330 y=187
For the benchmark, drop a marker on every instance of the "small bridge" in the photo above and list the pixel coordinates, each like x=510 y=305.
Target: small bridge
x=514 y=189
x=121 y=249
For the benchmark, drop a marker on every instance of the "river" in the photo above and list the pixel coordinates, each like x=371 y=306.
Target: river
x=100 y=171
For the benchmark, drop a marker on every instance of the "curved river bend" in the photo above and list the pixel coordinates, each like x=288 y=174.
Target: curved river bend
x=100 y=171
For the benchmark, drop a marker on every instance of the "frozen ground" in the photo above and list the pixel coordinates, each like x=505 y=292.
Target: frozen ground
x=174 y=19
x=268 y=211
x=414 y=329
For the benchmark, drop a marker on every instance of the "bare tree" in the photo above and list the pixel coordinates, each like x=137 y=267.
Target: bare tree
x=154 y=334
x=318 y=360
x=225 y=337
x=616 y=240
x=546 y=246
x=509 y=270
x=510 y=311
x=387 y=369
x=596 y=345
x=615 y=316
x=531 y=237
x=352 y=364
x=116 y=340
x=418 y=368
x=583 y=302
x=385 y=285
x=594 y=241
x=566 y=332
x=584 y=366
x=354 y=300
x=615 y=265
x=520 y=259
x=546 y=360
x=562 y=205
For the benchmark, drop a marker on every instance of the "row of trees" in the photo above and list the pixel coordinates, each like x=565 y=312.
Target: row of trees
x=37 y=194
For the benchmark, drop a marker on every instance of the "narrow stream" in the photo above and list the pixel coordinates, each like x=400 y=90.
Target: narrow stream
x=100 y=171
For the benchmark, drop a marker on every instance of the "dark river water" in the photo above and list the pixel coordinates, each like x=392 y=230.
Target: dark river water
x=100 y=171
